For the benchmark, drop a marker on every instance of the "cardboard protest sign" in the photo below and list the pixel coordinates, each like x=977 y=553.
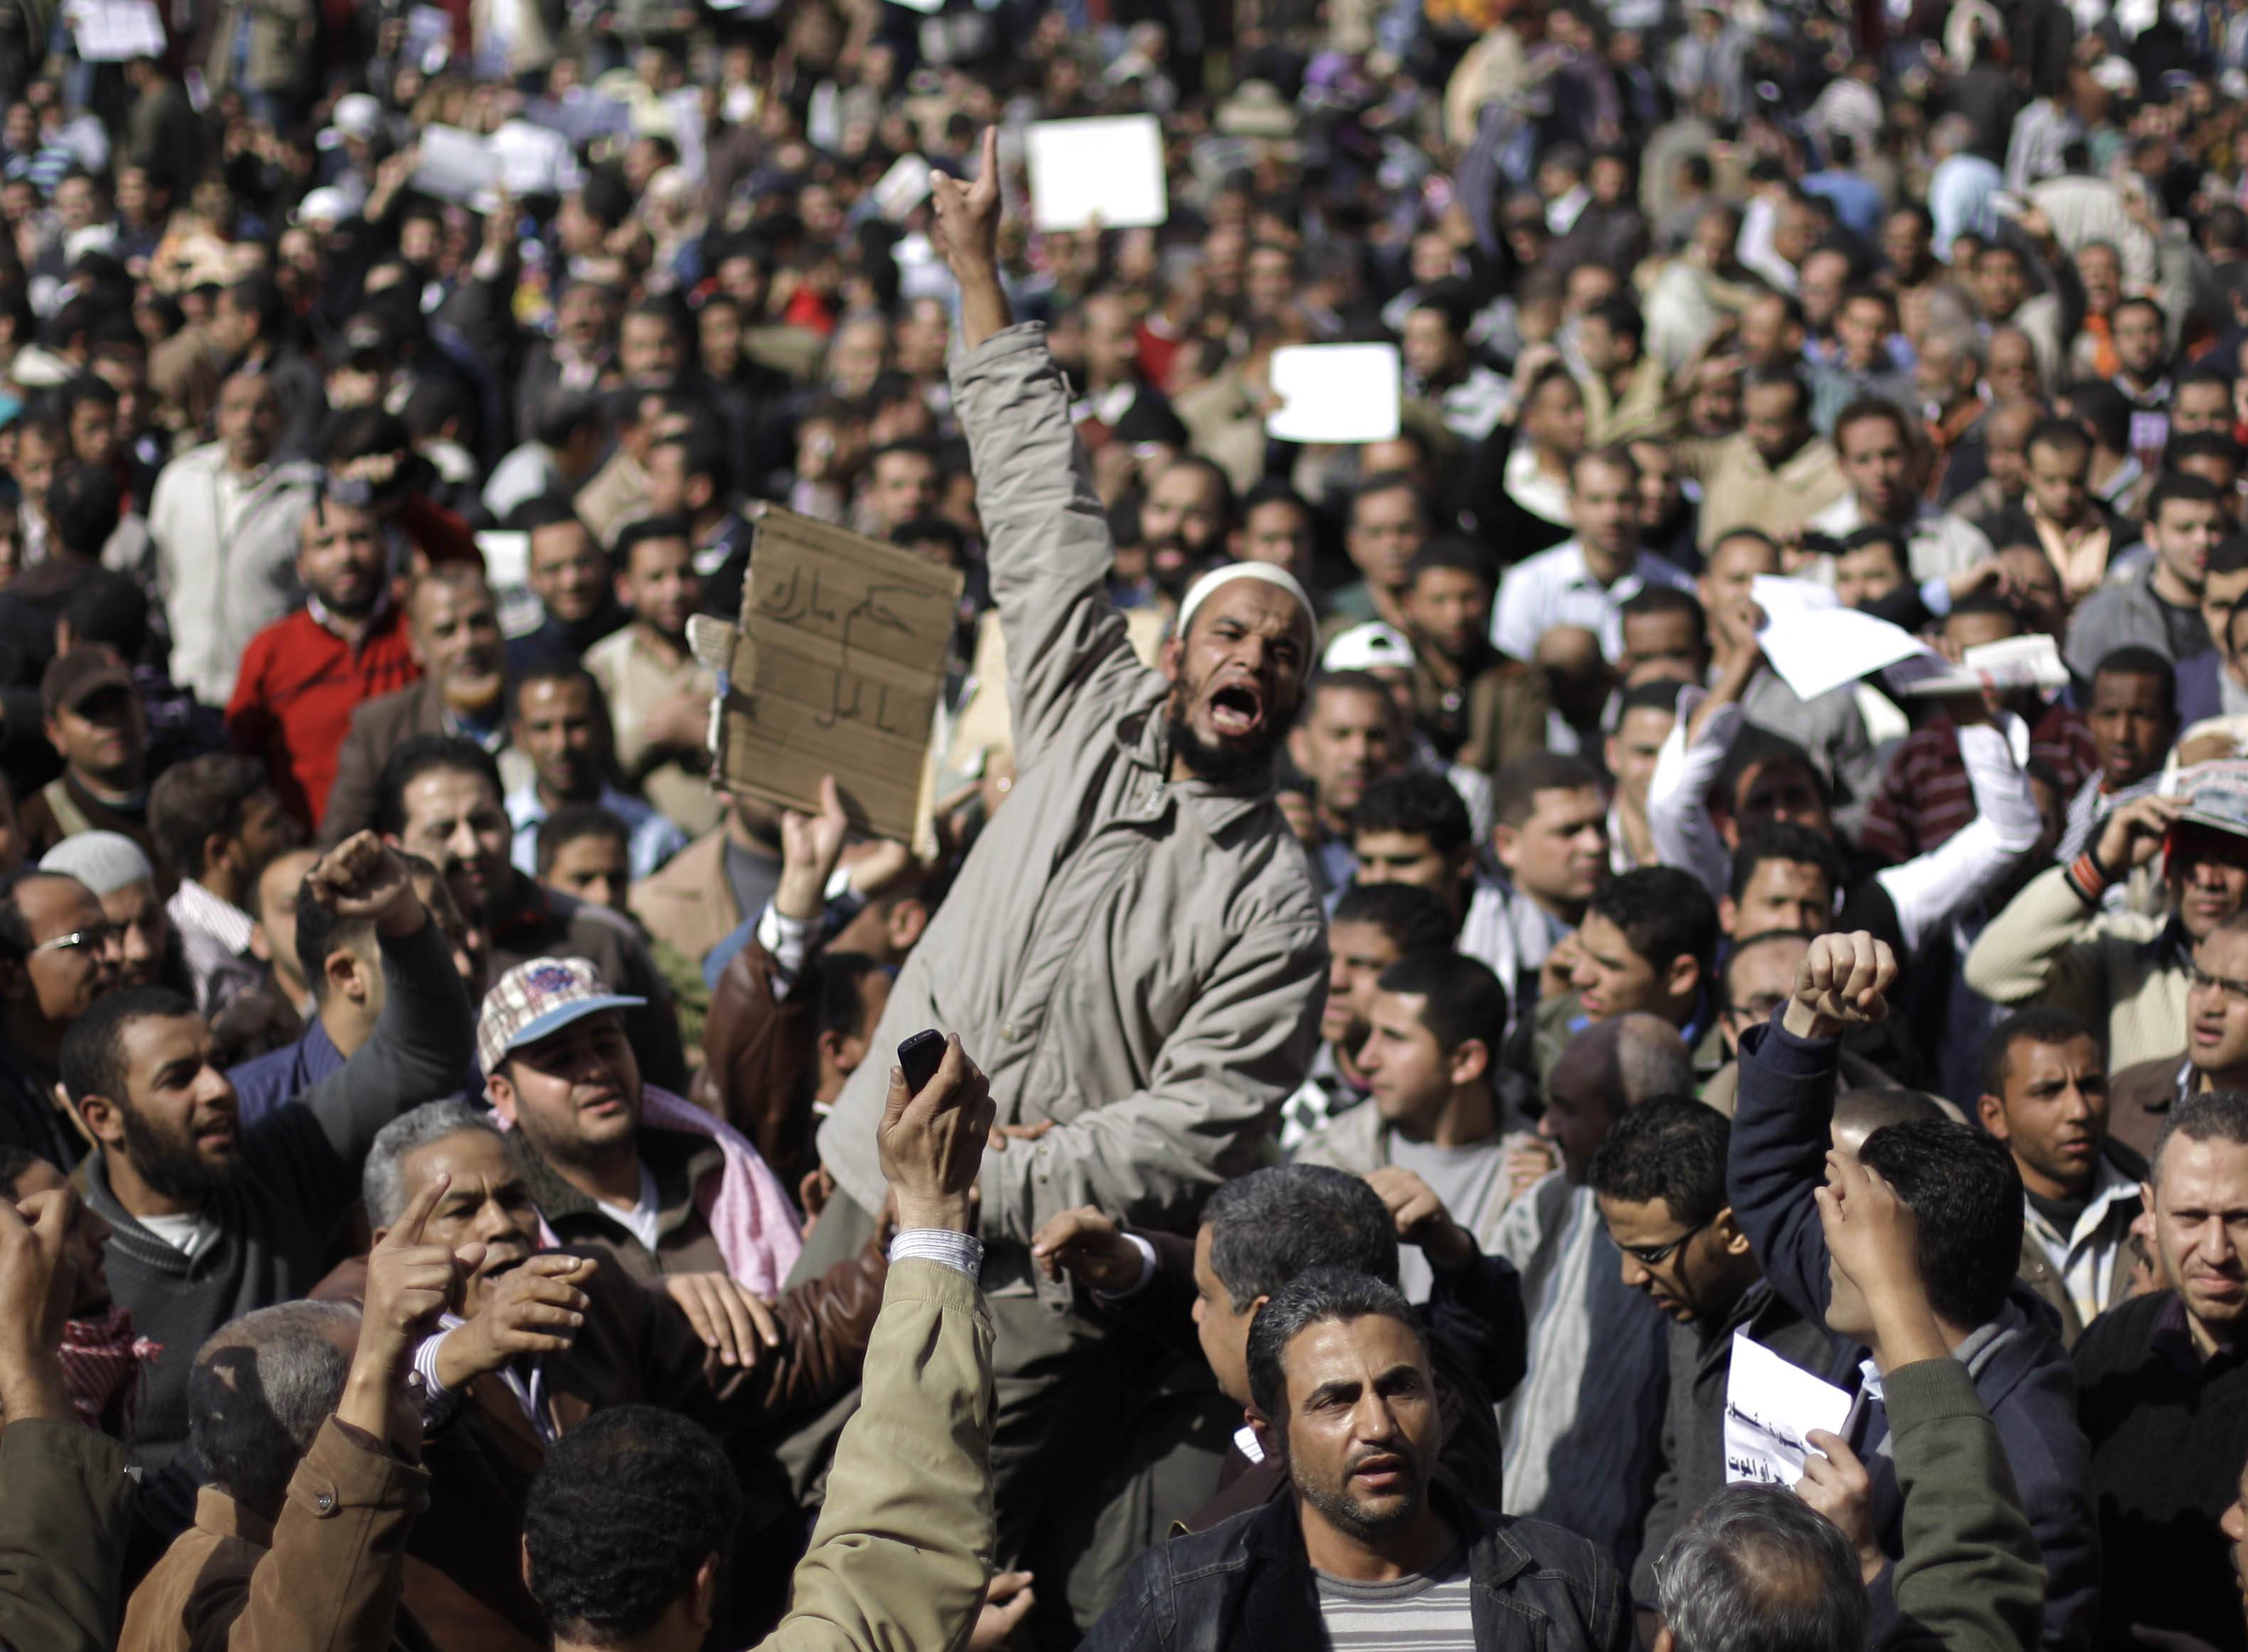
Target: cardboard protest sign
x=835 y=668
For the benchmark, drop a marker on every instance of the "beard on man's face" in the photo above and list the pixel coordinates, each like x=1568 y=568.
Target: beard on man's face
x=1219 y=764
x=168 y=1162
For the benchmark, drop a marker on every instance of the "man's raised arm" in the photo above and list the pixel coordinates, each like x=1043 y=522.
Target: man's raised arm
x=903 y=1547
x=1047 y=542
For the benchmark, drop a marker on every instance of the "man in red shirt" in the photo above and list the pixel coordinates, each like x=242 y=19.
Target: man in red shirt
x=302 y=677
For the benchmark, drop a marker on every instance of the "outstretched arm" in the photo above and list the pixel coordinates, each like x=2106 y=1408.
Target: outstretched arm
x=1047 y=542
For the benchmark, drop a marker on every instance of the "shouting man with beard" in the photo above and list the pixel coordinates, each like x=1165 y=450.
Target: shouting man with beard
x=1135 y=941
x=208 y=1220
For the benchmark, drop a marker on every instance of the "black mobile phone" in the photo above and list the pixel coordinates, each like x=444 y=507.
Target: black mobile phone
x=919 y=1056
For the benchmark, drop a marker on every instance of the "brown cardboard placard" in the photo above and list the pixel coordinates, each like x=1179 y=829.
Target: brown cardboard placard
x=837 y=666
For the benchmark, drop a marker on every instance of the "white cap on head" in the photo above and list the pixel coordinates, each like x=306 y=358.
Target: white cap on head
x=1197 y=592
x=1371 y=647
x=104 y=862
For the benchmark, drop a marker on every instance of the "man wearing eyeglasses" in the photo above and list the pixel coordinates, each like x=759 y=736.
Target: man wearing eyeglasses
x=1660 y=1178
x=2045 y=1096
x=57 y=955
x=2143 y=1096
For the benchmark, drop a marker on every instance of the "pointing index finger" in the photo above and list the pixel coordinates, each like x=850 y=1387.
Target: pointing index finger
x=409 y=1230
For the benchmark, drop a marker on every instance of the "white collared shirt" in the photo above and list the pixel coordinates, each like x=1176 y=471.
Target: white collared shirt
x=2085 y=1256
x=1555 y=588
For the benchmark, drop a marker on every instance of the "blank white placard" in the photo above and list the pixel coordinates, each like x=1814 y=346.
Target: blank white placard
x=1334 y=393
x=1111 y=169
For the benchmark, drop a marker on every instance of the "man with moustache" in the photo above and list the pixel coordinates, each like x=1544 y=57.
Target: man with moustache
x=1135 y=938
x=453 y=625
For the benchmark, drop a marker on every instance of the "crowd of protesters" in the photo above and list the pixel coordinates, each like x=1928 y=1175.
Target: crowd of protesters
x=1427 y=972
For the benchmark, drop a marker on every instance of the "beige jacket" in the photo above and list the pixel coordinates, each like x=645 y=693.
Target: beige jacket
x=2114 y=969
x=1359 y=1141
x=1740 y=491
x=1138 y=961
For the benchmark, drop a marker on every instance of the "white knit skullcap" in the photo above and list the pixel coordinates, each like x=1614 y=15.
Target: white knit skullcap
x=104 y=862
x=1232 y=571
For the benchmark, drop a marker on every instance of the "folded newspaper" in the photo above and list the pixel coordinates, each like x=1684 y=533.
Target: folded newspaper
x=2012 y=662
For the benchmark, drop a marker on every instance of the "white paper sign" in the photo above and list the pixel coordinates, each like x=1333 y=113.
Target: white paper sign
x=1816 y=645
x=1110 y=168
x=1334 y=393
x=1771 y=1408
x=454 y=165
x=904 y=187
x=533 y=160
x=117 y=30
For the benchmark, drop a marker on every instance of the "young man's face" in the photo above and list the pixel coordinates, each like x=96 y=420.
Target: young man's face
x=1613 y=977
x=1877 y=461
x=1412 y=1078
x=2139 y=342
x=1690 y=1271
x=2060 y=481
x=2131 y=724
x=1634 y=748
x=1559 y=853
x=179 y=1117
x=1222 y=1330
x=1781 y=895
x=2184 y=534
x=596 y=869
x=1450 y=609
x=2217 y=1004
x=102 y=737
x=1349 y=740
x=568 y=572
x=559 y=729
x=1867 y=574
x=1357 y=954
x=1408 y=857
x=575 y=1094
x=454 y=819
x=660 y=585
x=1665 y=645
x=2054 y=1115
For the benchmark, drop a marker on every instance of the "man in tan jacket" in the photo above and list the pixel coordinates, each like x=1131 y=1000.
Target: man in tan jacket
x=1134 y=937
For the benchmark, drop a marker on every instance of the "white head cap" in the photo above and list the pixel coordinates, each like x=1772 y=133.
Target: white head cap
x=1197 y=592
x=1371 y=647
x=104 y=862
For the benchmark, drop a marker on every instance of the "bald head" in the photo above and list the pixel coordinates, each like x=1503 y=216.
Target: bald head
x=1611 y=1066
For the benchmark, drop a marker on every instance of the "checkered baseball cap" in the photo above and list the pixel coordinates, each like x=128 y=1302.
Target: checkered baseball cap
x=535 y=998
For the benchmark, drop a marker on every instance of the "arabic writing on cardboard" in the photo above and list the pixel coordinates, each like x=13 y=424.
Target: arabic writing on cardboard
x=837 y=666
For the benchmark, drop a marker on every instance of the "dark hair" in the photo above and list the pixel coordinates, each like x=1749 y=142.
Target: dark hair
x=842 y=999
x=572 y=821
x=561 y=413
x=2099 y=404
x=1514 y=789
x=922 y=530
x=1386 y=481
x=555 y=668
x=2035 y=1025
x=1658 y=695
x=84 y=507
x=626 y=1509
x=1317 y=1296
x=1417 y=804
x=1878 y=533
x=1462 y=999
x=2211 y=1115
x=1622 y=316
x=2181 y=484
x=1671 y=1148
x=2136 y=660
x=633 y=535
x=360 y=433
x=15 y=1161
x=2054 y=432
x=1865 y=409
x=320 y=934
x=1271 y=1225
x=1756 y=748
x=199 y=799
x=1784 y=841
x=1658 y=600
x=91 y=1060
x=108 y=608
x=1966 y=1199
x=1663 y=913
x=545 y=510
x=1415 y=919
x=2140 y=301
x=1767 y=378
x=422 y=754
x=703 y=453
x=1459 y=553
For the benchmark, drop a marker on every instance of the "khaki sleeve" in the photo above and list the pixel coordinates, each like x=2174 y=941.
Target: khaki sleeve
x=65 y=1510
x=903 y=1547
x=2043 y=948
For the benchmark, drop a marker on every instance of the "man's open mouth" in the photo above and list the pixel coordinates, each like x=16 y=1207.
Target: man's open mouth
x=1236 y=711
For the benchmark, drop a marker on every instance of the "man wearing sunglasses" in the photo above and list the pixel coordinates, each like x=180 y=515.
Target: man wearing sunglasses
x=1660 y=1177
x=57 y=955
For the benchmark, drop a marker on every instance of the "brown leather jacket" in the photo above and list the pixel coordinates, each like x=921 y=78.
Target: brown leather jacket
x=758 y=1055
x=463 y=1580
x=325 y=1574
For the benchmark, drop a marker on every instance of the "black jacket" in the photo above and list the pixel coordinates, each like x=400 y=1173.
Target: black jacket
x=1776 y=1158
x=1246 y=1587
